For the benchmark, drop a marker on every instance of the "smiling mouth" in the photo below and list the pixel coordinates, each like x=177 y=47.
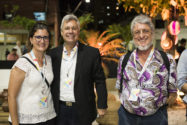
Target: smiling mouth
x=70 y=37
x=142 y=39
x=42 y=45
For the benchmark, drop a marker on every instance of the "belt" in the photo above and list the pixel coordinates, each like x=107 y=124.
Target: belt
x=66 y=103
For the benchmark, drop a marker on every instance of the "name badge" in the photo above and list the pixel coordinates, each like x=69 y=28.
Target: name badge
x=134 y=94
x=68 y=83
x=43 y=102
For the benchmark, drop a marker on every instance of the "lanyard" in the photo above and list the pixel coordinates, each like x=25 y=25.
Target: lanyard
x=74 y=50
x=36 y=63
x=72 y=56
x=42 y=71
x=47 y=83
x=146 y=63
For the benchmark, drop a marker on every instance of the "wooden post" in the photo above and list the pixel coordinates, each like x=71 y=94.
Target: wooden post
x=56 y=24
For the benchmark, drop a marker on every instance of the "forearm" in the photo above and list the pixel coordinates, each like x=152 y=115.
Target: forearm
x=172 y=98
x=184 y=88
x=174 y=94
x=12 y=103
x=16 y=79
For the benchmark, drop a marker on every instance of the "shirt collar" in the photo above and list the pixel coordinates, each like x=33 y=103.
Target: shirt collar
x=73 y=50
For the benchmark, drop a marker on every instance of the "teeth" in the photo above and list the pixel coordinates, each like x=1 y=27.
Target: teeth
x=142 y=39
x=70 y=34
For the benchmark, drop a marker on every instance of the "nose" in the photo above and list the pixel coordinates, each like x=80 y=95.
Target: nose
x=42 y=40
x=141 y=34
x=70 y=30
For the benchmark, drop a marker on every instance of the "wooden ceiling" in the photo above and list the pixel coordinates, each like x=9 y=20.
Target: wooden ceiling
x=27 y=7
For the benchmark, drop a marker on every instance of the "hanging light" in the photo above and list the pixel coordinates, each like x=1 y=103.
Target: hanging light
x=166 y=44
x=185 y=18
x=173 y=3
x=165 y=14
x=99 y=45
x=182 y=2
x=174 y=28
x=87 y=1
x=163 y=37
x=176 y=40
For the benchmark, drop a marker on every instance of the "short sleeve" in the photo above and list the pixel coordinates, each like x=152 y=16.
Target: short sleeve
x=22 y=64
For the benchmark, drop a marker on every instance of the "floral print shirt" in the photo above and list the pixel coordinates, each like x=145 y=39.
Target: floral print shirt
x=154 y=84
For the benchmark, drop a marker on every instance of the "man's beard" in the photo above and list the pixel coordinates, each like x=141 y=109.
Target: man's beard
x=143 y=48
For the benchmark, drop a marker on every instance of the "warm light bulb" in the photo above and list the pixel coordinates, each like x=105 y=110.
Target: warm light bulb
x=185 y=18
x=163 y=37
x=173 y=3
x=165 y=14
x=174 y=28
x=99 y=44
x=176 y=40
x=166 y=44
x=87 y=1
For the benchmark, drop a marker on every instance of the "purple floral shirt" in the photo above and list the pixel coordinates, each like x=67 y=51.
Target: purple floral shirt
x=153 y=84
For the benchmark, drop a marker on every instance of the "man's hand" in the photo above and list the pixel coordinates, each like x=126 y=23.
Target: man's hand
x=172 y=99
x=101 y=112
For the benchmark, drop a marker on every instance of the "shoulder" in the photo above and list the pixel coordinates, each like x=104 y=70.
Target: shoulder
x=55 y=50
x=22 y=63
x=81 y=45
x=183 y=55
x=184 y=52
x=162 y=53
x=169 y=62
x=88 y=49
x=168 y=55
x=126 y=55
x=21 y=59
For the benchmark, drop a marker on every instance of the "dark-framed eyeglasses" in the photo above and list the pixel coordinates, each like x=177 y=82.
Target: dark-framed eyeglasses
x=39 y=38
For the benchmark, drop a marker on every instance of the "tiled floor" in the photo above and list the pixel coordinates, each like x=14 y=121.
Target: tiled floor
x=176 y=116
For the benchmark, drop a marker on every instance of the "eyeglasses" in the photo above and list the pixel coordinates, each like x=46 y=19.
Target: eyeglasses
x=39 y=38
x=143 y=31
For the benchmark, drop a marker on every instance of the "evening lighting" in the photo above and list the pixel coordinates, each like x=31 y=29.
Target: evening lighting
x=166 y=44
x=174 y=28
x=87 y=1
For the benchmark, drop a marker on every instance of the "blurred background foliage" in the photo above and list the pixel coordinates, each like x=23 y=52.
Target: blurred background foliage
x=16 y=20
x=112 y=42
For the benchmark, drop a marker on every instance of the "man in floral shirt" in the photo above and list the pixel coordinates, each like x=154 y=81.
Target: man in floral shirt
x=147 y=85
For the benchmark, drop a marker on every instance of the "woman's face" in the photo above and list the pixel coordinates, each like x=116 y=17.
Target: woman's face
x=40 y=40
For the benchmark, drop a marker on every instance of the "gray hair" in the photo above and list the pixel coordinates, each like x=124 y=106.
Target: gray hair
x=143 y=19
x=68 y=18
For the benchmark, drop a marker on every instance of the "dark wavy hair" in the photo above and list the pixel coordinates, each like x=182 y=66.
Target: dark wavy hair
x=38 y=26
